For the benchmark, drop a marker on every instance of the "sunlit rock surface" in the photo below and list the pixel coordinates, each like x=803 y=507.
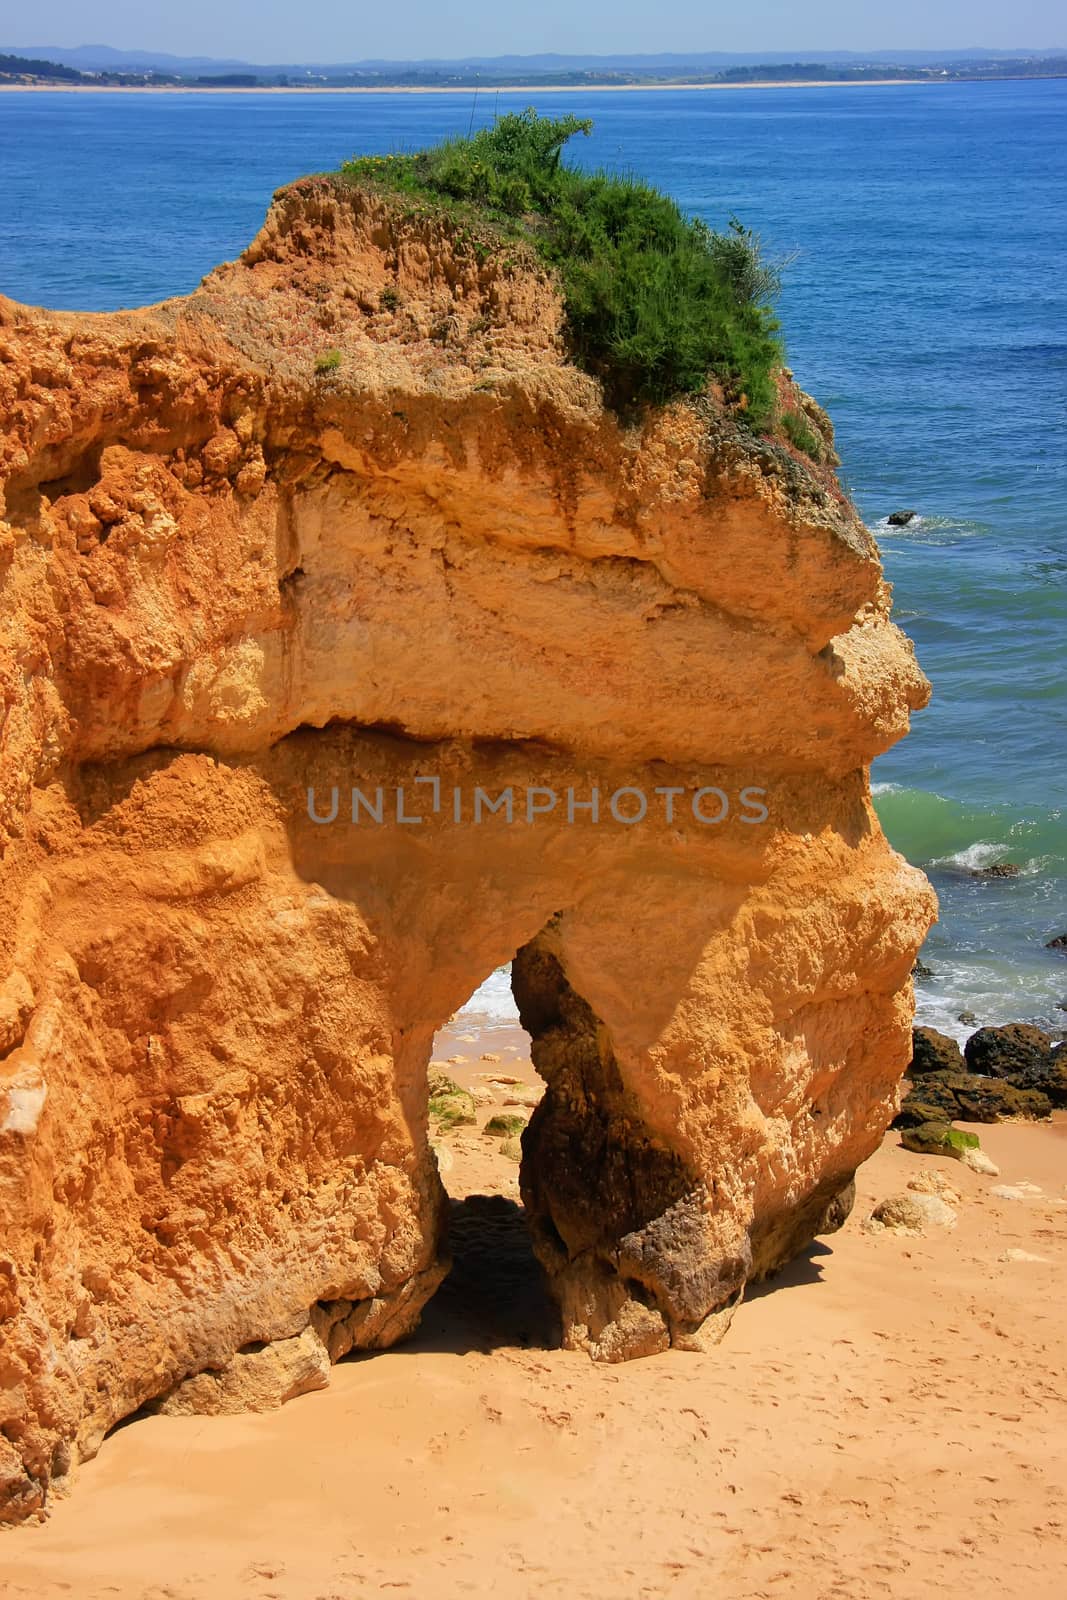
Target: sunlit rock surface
x=344 y=519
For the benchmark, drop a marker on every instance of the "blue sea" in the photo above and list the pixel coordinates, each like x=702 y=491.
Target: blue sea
x=925 y=304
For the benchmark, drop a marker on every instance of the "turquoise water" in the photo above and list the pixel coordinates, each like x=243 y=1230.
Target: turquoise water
x=926 y=307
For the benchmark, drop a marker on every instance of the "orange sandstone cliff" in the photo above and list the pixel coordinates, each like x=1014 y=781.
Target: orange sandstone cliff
x=347 y=517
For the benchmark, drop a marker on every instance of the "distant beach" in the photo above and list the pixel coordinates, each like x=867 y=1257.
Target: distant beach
x=467 y=88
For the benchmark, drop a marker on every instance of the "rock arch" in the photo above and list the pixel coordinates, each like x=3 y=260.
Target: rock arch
x=226 y=579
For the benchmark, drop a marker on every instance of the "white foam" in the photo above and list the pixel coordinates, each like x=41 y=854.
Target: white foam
x=492 y=1005
x=883 y=525
x=973 y=858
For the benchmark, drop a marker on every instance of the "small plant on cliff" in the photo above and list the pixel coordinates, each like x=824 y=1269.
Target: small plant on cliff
x=656 y=302
x=327 y=361
x=797 y=431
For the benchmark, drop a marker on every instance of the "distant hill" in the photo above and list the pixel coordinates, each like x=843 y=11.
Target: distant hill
x=102 y=57
x=102 y=66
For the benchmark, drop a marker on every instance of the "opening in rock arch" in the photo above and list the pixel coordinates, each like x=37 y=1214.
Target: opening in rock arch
x=482 y=1090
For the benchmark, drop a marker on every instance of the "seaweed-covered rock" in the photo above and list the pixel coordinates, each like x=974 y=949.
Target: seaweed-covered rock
x=1052 y=1079
x=938 y=1139
x=1005 y=1052
x=933 y=1052
x=505 y=1125
x=1047 y=1076
x=439 y=1082
x=935 y=1091
x=450 y=1106
x=913 y=1113
x=991 y=1099
x=948 y=1095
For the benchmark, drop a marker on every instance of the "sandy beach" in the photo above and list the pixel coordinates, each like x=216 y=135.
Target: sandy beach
x=886 y=1419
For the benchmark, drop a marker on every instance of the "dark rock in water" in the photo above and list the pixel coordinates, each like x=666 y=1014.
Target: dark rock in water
x=999 y=869
x=900 y=519
x=1007 y=1052
x=938 y=1139
x=1058 y=943
x=933 y=1052
x=968 y=1018
x=921 y=970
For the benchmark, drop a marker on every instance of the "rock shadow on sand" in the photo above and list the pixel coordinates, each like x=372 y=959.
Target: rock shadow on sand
x=495 y=1296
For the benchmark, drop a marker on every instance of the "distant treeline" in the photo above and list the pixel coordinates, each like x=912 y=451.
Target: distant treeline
x=816 y=72
x=26 y=69
x=23 y=69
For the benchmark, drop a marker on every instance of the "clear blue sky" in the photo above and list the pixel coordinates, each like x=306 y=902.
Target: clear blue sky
x=338 y=30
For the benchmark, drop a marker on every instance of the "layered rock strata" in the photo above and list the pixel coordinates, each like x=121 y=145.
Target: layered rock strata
x=347 y=519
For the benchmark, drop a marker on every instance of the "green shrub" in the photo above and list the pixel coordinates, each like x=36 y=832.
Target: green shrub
x=655 y=301
x=799 y=433
x=389 y=299
x=328 y=361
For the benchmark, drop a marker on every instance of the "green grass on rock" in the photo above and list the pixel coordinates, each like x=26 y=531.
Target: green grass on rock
x=655 y=301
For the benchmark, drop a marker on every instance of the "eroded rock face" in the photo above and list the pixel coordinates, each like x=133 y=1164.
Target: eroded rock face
x=227 y=578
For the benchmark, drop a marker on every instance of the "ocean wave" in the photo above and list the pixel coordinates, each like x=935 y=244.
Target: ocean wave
x=935 y=831
x=993 y=1007
x=967 y=978
x=930 y=530
x=492 y=1005
x=972 y=858
x=983 y=853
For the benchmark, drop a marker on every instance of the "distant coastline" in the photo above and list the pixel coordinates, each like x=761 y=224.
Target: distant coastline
x=101 y=67
x=484 y=89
